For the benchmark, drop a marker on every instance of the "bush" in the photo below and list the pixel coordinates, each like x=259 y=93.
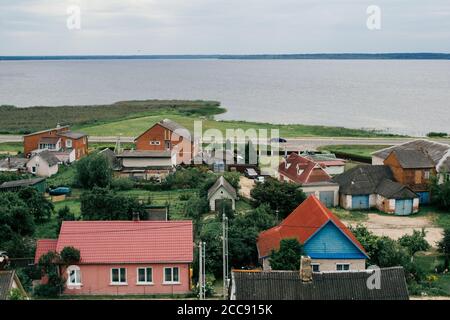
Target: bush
x=16 y=294
x=70 y=255
x=415 y=242
x=437 y=135
x=93 y=171
x=122 y=184
x=209 y=287
x=440 y=194
x=184 y=197
x=288 y=256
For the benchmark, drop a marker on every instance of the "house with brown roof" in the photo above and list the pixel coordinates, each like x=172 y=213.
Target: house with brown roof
x=364 y=187
x=326 y=240
x=146 y=164
x=413 y=168
x=438 y=152
x=70 y=145
x=311 y=176
x=125 y=257
x=168 y=136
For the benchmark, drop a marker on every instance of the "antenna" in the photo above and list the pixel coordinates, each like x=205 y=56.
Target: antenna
x=225 y=252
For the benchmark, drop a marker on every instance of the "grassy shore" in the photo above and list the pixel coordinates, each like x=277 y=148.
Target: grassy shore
x=351 y=151
x=130 y=118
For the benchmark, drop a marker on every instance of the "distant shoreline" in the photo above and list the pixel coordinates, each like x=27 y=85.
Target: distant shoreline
x=313 y=56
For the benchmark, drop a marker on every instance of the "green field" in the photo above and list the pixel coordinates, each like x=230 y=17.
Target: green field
x=364 y=151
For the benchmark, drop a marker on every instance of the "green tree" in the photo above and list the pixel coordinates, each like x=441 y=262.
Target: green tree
x=415 y=242
x=368 y=240
x=211 y=233
x=195 y=208
x=391 y=254
x=93 y=171
x=38 y=205
x=440 y=194
x=106 y=204
x=64 y=214
x=70 y=255
x=288 y=256
x=281 y=196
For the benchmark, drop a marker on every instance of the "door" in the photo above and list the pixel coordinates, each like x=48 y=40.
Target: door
x=404 y=207
x=360 y=202
x=327 y=198
x=424 y=197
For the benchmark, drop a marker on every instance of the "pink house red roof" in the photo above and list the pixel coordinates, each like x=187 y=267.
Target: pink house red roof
x=302 y=170
x=106 y=242
x=43 y=246
x=301 y=224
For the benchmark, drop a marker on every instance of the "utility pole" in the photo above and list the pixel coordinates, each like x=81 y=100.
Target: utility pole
x=225 y=253
x=202 y=269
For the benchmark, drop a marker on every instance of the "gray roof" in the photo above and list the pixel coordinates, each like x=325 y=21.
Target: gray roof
x=222 y=182
x=72 y=135
x=111 y=157
x=7 y=277
x=49 y=157
x=287 y=285
x=435 y=150
x=362 y=179
x=413 y=159
x=144 y=154
x=21 y=183
x=394 y=190
x=13 y=163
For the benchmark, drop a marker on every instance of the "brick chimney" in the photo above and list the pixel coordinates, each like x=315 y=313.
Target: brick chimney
x=136 y=216
x=305 y=269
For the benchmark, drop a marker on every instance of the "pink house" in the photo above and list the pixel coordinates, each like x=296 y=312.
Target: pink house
x=125 y=257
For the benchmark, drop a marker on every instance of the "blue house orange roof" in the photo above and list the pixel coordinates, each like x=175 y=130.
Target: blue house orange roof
x=322 y=234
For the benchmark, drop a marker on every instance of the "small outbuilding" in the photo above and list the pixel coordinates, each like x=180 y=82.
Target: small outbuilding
x=221 y=191
x=12 y=186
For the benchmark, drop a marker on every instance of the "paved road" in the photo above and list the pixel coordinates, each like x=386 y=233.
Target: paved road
x=306 y=143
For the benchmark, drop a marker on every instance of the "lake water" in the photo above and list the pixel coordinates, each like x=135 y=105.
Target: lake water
x=411 y=97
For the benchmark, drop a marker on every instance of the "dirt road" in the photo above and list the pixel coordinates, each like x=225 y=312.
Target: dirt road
x=246 y=186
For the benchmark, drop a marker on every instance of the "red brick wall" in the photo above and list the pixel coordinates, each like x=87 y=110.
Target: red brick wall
x=31 y=143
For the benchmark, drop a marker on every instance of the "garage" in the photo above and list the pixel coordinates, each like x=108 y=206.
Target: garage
x=403 y=207
x=360 y=202
x=424 y=197
x=327 y=198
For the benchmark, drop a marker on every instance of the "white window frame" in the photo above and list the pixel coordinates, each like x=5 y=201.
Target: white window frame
x=171 y=275
x=77 y=270
x=146 y=282
x=315 y=265
x=155 y=142
x=427 y=174
x=69 y=143
x=119 y=283
x=342 y=264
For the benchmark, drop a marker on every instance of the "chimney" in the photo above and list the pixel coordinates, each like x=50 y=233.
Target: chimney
x=305 y=269
x=135 y=216
x=9 y=162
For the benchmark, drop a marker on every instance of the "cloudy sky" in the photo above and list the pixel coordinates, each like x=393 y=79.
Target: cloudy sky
x=39 y=27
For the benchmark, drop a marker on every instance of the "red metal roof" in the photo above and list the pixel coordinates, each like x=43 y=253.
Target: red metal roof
x=302 y=170
x=43 y=246
x=301 y=224
x=106 y=242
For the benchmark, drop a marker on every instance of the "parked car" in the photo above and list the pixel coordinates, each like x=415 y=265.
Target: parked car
x=279 y=140
x=251 y=173
x=60 y=191
x=260 y=179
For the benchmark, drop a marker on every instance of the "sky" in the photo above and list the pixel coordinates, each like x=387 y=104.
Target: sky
x=39 y=27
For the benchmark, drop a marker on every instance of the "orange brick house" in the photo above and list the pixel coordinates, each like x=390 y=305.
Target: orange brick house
x=57 y=139
x=167 y=135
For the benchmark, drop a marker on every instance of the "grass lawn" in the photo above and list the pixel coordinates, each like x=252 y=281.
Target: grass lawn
x=428 y=261
x=65 y=176
x=11 y=147
x=363 y=151
x=350 y=215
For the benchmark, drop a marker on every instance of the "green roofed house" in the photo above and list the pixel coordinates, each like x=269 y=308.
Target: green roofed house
x=12 y=186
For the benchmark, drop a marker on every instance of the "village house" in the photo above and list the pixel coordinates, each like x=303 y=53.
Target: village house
x=43 y=164
x=8 y=282
x=70 y=145
x=222 y=191
x=13 y=164
x=304 y=285
x=328 y=161
x=125 y=257
x=12 y=186
x=140 y=164
x=311 y=176
x=326 y=240
x=438 y=152
x=364 y=187
x=168 y=136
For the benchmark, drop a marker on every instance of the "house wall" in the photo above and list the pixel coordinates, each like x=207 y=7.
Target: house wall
x=345 y=201
x=221 y=193
x=80 y=146
x=146 y=162
x=315 y=190
x=414 y=178
x=96 y=280
x=42 y=167
x=31 y=142
x=327 y=264
x=377 y=161
x=385 y=205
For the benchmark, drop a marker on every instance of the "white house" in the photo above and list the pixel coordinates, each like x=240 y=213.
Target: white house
x=220 y=191
x=43 y=164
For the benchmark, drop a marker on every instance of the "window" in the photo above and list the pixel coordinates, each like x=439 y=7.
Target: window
x=118 y=276
x=315 y=267
x=144 y=276
x=155 y=143
x=427 y=174
x=68 y=143
x=172 y=275
x=74 y=276
x=33 y=169
x=342 y=266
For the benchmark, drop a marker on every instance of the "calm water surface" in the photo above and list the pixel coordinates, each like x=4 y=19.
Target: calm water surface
x=411 y=97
